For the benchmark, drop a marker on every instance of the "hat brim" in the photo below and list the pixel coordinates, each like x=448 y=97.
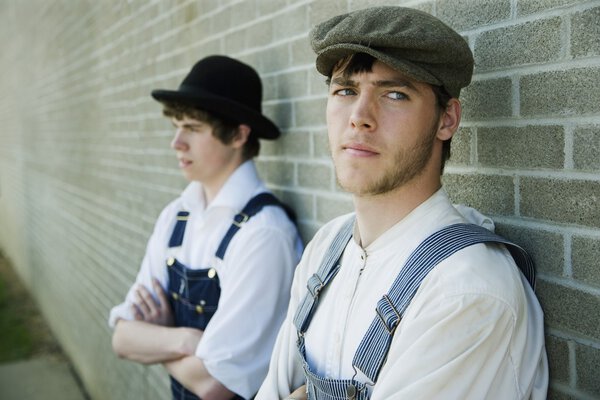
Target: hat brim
x=329 y=56
x=261 y=126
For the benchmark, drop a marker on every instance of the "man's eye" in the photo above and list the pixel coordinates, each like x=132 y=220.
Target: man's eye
x=344 y=92
x=397 y=96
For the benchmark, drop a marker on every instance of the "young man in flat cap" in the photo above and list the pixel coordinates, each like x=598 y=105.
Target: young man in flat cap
x=404 y=299
x=214 y=284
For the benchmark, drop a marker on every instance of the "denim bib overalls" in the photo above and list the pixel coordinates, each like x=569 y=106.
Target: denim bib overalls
x=372 y=350
x=194 y=293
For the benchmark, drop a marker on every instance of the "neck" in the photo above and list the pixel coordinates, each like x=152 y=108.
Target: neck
x=214 y=186
x=376 y=214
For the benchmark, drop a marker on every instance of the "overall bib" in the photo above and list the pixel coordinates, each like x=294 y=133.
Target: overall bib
x=194 y=293
x=372 y=350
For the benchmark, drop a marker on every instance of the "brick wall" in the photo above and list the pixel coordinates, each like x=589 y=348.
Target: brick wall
x=85 y=165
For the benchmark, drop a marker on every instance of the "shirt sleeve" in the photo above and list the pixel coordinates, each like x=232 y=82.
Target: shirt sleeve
x=255 y=289
x=153 y=266
x=285 y=369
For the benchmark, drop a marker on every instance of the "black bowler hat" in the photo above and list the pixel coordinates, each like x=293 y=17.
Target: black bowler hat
x=227 y=88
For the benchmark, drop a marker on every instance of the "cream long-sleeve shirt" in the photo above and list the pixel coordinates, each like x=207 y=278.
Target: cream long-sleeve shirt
x=474 y=329
x=255 y=275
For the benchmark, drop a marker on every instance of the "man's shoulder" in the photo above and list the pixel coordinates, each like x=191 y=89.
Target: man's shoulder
x=480 y=270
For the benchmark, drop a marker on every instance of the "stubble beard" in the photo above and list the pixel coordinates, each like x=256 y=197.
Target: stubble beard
x=409 y=163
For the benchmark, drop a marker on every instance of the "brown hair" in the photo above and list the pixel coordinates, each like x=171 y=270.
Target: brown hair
x=224 y=130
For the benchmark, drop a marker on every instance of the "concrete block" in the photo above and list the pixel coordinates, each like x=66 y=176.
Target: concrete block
x=546 y=248
x=564 y=307
x=588 y=365
x=488 y=194
x=220 y=22
x=525 y=7
x=328 y=208
x=279 y=173
x=585 y=31
x=529 y=43
x=460 y=149
x=291 y=23
x=358 y=4
x=294 y=144
x=321 y=144
x=563 y=201
x=301 y=52
x=586 y=148
x=571 y=92
x=280 y=114
x=321 y=10
x=292 y=85
x=315 y=176
x=310 y=112
x=522 y=147
x=487 y=99
x=467 y=14
x=268 y=7
x=244 y=11
x=557 y=394
x=301 y=203
x=585 y=254
x=558 y=358
x=258 y=35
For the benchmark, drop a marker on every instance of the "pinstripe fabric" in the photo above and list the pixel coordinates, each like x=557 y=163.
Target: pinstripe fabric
x=373 y=349
x=327 y=270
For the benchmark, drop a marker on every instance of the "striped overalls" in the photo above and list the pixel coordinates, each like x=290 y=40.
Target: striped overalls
x=194 y=293
x=372 y=350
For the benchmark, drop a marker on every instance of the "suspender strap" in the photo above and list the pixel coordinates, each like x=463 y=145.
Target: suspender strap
x=177 y=235
x=327 y=270
x=251 y=208
x=373 y=349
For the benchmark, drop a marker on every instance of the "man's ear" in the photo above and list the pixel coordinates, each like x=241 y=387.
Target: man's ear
x=241 y=137
x=449 y=120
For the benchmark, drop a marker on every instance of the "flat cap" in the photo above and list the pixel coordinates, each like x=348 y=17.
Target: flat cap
x=408 y=40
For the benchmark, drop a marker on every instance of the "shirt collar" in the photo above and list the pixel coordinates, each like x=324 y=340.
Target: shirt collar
x=235 y=193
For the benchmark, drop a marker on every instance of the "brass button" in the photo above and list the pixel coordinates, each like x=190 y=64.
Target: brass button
x=175 y=295
x=170 y=261
x=199 y=309
x=212 y=273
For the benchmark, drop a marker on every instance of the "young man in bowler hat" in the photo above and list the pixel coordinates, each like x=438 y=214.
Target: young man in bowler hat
x=404 y=298
x=214 y=284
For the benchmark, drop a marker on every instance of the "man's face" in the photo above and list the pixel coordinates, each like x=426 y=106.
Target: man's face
x=202 y=157
x=382 y=127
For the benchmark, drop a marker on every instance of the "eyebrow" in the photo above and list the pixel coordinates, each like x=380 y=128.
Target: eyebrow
x=387 y=83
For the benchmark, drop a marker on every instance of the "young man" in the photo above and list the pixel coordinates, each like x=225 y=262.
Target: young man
x=403 y=299
x=214 y=284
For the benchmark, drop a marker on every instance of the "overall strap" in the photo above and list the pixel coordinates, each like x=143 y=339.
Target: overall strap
x=327 y=270
x=373 y=349
x=251 y=208
x=179 y=229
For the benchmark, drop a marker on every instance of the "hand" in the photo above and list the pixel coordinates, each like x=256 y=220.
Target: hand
x=147 y=309
x=298 y=394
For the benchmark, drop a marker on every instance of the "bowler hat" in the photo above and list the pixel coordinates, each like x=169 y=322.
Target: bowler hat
x=226 y=88
x=408 y=40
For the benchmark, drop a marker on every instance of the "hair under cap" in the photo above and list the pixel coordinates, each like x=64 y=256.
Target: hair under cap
x=408 y=40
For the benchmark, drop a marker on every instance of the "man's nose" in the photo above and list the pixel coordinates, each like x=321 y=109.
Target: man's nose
x=178 y=142
x=363 y=113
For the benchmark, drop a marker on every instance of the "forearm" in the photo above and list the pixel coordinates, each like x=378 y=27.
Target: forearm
x=148 y=343
x=191 y=373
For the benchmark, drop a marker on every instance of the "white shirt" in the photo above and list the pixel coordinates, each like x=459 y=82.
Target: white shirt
x=255 y=275
x=474 y=329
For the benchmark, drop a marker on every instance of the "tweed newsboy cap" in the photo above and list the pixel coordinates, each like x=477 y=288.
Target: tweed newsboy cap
x=408 y=40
